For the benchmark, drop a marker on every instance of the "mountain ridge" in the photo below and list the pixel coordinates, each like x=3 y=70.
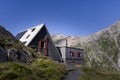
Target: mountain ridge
x=84 y=39
x=102 y=49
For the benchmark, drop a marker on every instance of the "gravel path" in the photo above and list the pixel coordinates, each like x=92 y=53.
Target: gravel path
x=73 y=74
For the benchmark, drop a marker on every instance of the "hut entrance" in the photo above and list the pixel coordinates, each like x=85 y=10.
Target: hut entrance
x=43 y=46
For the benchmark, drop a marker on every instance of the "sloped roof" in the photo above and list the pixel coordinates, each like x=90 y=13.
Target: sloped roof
x=30 y=33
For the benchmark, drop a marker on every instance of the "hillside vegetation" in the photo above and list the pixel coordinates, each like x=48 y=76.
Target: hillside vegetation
x=40 y=69
x=89 y=73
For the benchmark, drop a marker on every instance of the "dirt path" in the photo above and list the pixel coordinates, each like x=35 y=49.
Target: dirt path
x=73 y=74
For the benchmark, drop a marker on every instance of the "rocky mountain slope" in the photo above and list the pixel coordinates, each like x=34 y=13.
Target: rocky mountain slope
x=13 y=50
x=102 y=49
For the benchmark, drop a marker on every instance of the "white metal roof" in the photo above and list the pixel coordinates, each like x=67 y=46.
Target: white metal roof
x=30 y=34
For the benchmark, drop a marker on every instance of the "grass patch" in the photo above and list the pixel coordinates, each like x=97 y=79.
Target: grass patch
x=39 y=69
x=89 y=73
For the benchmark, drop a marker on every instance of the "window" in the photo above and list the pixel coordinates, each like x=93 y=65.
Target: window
x=27 y=36
x=33 y=29
x=72 y=53
x=79 y=54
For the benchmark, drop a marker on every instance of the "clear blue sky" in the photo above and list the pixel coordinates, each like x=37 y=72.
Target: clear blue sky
x=69 y=17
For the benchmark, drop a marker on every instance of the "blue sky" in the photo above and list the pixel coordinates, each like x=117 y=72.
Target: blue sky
x=69 y=17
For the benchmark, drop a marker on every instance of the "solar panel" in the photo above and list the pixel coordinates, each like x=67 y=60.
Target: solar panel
x=19 y=35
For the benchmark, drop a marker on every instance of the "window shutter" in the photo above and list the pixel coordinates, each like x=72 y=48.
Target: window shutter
x=79 y=54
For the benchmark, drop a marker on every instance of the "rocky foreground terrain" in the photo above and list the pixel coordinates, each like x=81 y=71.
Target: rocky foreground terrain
x=13 y=50
x=102 y=49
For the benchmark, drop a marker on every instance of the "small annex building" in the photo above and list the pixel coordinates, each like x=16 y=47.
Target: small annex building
x=39 y=38
x=71 y=55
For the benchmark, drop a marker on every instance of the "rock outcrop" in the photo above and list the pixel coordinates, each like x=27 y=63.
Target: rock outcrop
x=13 y=50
